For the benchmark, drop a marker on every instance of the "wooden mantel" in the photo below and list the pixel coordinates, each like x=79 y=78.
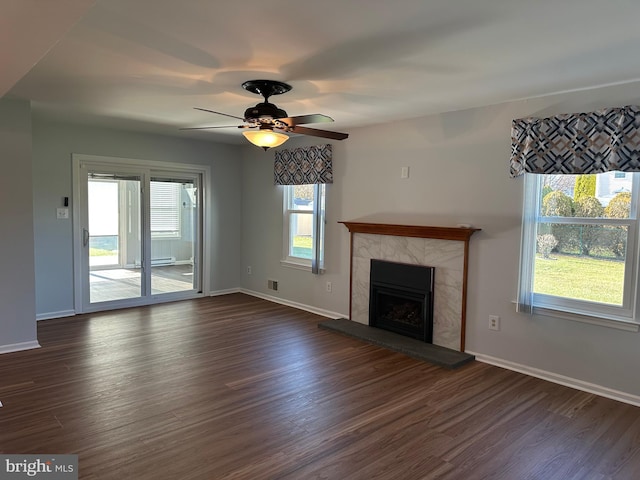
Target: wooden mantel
x=462 y=234
x=421 y=231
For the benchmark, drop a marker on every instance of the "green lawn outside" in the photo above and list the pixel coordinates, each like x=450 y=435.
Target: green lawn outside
x=302 y=246
x=100 y=252
x=576 y=276
x=302 y=241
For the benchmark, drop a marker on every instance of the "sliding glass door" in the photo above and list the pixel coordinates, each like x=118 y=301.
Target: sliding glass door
x=140 y=235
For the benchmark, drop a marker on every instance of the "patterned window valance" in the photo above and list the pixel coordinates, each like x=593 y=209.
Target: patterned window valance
x=304 y=165
x=577 y=143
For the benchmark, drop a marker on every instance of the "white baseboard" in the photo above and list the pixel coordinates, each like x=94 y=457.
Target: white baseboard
x=17 y=347
x=560 y=379
x=299 y=306
x=50 y=315
x=227 y=291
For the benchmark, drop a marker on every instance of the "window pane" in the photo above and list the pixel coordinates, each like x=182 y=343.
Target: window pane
x=605 y=195
x=302 y=197
x=174 y=227
x=301 y=235
x=115 y=248
x=104 y=222
x=301 y=225
x=581 y=262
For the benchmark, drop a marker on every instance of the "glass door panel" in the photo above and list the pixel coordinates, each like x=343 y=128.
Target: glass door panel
x=113 y=237
x=174 y=225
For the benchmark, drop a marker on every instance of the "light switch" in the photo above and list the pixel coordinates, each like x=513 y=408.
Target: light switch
x=62 y=213
x=404 y=173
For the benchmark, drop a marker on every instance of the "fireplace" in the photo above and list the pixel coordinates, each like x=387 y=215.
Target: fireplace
x=401 y=299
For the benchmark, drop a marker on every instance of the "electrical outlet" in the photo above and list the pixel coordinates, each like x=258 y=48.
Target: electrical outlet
x=272 y=285
x=494 y=322
x=329 y=287
x=248 y=270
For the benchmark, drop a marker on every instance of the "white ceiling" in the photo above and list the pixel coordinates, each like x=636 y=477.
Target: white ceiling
x=145 y=64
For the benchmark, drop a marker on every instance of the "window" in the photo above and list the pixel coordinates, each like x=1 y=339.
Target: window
x=165 y=209
x=579 y=249
x=304 y=211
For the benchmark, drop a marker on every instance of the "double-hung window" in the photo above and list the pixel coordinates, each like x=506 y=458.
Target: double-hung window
x=304 y=219
x=579 y=245
x=303 y=174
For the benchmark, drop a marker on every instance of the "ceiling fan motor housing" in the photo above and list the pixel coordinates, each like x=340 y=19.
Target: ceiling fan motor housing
x=264 y=110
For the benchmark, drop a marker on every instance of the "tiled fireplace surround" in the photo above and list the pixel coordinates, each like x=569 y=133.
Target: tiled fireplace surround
x=445 y=248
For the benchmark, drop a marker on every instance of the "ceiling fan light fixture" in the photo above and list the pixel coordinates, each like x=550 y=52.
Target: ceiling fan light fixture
x=265 y=138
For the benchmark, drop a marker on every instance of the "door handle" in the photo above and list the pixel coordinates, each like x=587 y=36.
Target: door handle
x=85 y=237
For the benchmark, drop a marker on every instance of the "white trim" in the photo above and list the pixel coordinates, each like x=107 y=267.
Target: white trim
x=625 y=325
x=296 y=265
x=299 y=306
x=18 y=347
x=618 y=324
x=51 y=315
x=227 y=291
x=560 y=379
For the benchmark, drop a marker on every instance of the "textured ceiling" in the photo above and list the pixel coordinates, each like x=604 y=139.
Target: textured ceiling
x=145 y=64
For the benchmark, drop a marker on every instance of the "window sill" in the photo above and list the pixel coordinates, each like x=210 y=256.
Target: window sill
x=616 y=323
x=298 y=266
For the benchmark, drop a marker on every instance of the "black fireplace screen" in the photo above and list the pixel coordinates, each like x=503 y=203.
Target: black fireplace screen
x=401 y=299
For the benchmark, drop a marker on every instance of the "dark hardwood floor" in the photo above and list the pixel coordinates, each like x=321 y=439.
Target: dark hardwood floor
x=237 y=387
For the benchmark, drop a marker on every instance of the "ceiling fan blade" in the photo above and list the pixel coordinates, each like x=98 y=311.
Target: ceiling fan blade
x=208 y=128
x=318 y=133
x=300 y=119
x=218 y=113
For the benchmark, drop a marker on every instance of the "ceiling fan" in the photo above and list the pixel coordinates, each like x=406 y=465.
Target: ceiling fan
x=269 y=121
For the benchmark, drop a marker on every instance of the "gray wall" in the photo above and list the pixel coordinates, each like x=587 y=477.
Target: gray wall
x=53 y=145
x=459 y=173
x=17 y=282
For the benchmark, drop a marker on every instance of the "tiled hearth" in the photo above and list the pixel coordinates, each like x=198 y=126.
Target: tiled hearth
x=446 y=249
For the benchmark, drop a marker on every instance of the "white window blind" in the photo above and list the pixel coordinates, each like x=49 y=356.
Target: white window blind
x=165 y=208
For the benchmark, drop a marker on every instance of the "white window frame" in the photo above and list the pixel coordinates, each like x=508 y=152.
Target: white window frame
x=609 y=315
x=318 y=225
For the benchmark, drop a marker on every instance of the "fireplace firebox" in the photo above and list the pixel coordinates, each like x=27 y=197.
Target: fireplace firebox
x=401 y=299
